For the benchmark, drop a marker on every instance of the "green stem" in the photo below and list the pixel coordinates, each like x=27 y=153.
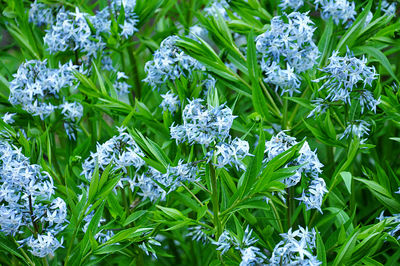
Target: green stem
x=276 y=216
x=80 y=218
x=285 y=114
x=276 y=109
x=135 y=72
x=45 y=262
x=197 y=199
x=289 y=197
x=215 y=203
x=30 y=262
x=296 y=108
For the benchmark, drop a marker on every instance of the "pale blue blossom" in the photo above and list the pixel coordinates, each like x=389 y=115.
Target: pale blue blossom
x=231 y=153
x=321 y=106
x=291 y=4
x=8 y=118
x=309 y=166
x=197 y=234
x=43 y=244
x=130 y=18
x=71 y=31
x=170 y=102
x=170 y=63
x=388 y=8
x=393 y=224
x=287 y=50
x=340 y=11
x=102 y=236
x=121 y=150
x=149 y=182
x=121 y=86
x=250 y=254
x=314 y=195
x=147 y=246
x=218 y=7
x=72 y=110
x=344 y=77
x=358 y=129
x=25 y=193
x=203 y=125
x=41 y=14
x=296 y=248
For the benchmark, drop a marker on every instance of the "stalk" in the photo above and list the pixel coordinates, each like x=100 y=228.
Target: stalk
x=135 y=71
x=215 y=203
x=30 y=262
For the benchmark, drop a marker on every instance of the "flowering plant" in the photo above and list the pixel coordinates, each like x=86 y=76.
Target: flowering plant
x=199 y=132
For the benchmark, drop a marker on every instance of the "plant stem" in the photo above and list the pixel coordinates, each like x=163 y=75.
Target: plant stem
x=276 y=109
x=23 y=252
x=296 y=108
x=215 y=203
x=277 y=216
x=289 y=208
x=35 y=227
x=135 y=72
x=285 y=114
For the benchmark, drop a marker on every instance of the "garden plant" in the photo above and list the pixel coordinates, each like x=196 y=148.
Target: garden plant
x=199 y=132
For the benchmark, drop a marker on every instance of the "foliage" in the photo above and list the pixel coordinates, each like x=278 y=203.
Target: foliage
x=199 y=132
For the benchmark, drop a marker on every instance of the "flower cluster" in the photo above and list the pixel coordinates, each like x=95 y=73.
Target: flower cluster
x=131 y=19
x=197 y=234
x=388 y=8
x=103 y=235
x=292 y=4
x=296 y=248
x=310 y=166
x=120 y=85
x=343 y=78
x=72 y=112
x=357 y=128
x=71 y=31
x=338 y=10
x=147 y=246
x=156 y=185
x=202 y=125
x=37 y=89
x=8 y=118
x=287 y=45
x=170 y=63
x=170 y=102
x=121 y=151
x=231 y=153
x=40 y=14
x=27 y=201
x=394 y=222
x=199 y=31
x=218 y=7
x=209 y=126
x=251 y=255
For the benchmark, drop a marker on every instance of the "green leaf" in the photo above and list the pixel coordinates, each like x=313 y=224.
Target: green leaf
x=173 y=213
x=347 y=177
x=351 y=35
x=134 y=216
x=325 y=42
x=321 y=253
x=378 y=55
x=257 y=96
x=247 y=180
x=346 y=250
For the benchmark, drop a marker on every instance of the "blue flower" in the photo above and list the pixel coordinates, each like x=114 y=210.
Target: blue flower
x=287 y=45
